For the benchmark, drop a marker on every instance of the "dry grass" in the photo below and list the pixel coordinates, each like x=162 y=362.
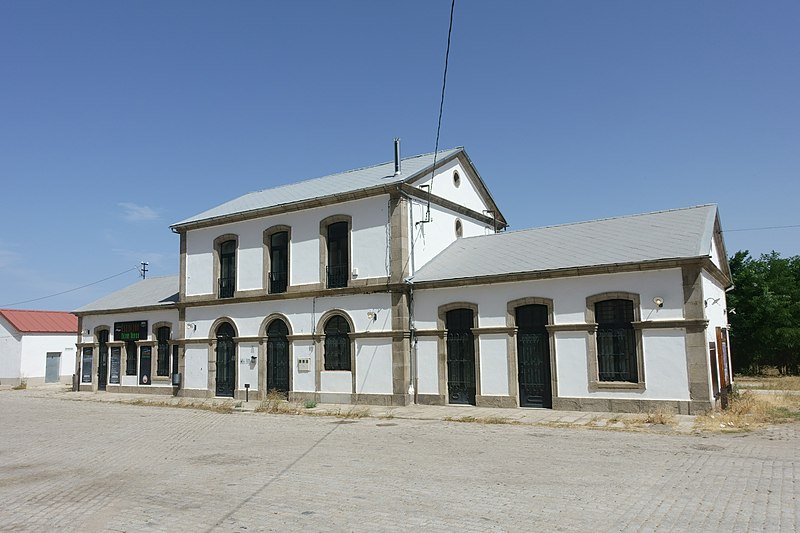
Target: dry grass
x=748 y=410
x=276 y=403
x=480 y=419
x=225 y=407
x=355 y=412
x=22 y=385
x=780 y=383
x=658 y=416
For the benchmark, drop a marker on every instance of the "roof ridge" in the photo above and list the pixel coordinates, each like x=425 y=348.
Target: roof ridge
x=358 y=169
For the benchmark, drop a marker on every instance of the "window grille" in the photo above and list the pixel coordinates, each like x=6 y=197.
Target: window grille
x=616 y=341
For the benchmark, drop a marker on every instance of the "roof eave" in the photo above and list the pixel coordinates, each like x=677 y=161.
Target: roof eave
x=585 y=270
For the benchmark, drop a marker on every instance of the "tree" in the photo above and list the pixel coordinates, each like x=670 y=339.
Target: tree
x=765 y=328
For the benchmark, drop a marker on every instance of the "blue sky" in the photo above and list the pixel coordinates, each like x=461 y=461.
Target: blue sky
x=120 y=118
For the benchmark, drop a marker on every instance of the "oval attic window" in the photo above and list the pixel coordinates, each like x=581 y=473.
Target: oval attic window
x=456 y=178
x=459 y=229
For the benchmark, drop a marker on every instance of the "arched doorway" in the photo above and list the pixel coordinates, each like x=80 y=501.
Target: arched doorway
x=533 y=356
x=226 y=360
x=460 y=356
x=337 y=344
x=278 y=356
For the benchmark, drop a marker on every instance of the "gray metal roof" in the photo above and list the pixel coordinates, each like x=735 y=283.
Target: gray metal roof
x=146 y=293
x=674 y=234
x=326 y=186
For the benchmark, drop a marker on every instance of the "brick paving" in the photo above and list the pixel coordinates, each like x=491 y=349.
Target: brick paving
x=106 y=466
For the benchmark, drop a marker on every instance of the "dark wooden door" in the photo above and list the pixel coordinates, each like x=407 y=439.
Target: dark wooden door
x=460 y=357
x=277 y=357
x=533 y=357
x=145 y=365
x=226 y=361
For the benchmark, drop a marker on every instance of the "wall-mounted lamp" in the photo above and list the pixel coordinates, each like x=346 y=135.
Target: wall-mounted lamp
x=191 y=325
x=372 y=316
x=659 y=301
x=714 y=301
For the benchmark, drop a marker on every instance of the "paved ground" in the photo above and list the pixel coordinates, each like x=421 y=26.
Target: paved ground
x=103 y=466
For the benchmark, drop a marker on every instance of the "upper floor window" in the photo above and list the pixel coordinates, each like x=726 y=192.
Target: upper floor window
x=227 y=268
x=616 y=341
x=338 y=267
x=162 y=367
x=278 y=262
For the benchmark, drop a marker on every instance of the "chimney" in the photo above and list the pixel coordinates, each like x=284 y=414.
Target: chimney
x=396 y=156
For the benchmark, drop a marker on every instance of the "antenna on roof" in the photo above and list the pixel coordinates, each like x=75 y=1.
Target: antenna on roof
x=143 y=270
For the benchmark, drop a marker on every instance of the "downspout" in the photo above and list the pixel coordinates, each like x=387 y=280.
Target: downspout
x=414 y=385
x=413 y=389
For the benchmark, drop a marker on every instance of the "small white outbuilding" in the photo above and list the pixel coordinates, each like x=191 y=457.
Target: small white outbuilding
x=37 y=347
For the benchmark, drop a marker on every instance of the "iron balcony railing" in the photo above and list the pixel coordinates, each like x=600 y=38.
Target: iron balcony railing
x=227 y=286
x=277 y=282
x=337 y=276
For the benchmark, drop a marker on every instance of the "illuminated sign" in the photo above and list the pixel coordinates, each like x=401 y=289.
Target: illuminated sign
x=130 y=331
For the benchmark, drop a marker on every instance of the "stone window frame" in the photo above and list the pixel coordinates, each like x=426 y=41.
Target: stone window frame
x=170 y=342
x=323 y=247
x=319 y=347
x=441 y=326
x=594 y=381
x=268 y=233
x=262 y=350
x=511 y=344
x=217 y=257
x=212 y=354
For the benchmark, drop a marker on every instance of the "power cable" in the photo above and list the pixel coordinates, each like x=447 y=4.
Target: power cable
x=441 y=106
x=760 y=229
x=136 y=268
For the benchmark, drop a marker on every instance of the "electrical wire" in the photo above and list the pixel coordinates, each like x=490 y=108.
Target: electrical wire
x=760 y=229
x=441 y=101
x=136 y=268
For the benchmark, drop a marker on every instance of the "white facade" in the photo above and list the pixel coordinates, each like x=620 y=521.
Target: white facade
x=380 y=336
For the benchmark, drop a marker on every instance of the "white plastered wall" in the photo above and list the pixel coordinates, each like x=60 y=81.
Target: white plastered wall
x=34 y=355
x=664 y=349
x=465 y=194
x=369 y=245
x=373 y=356
x=430 y=238
x=10 y=353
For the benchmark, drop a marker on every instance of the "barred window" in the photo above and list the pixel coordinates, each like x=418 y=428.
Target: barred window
x=163 y=351
x=616 y=341
x=227 y=269
x=337 y=344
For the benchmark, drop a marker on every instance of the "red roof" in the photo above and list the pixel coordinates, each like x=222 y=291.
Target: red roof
x=41 y=321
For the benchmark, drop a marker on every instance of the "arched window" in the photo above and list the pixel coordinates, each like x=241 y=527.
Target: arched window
x=338 y=256
x=162 y=334
x=278 y=356
x=226 y=360
x=278 y=262
x=227 y=268
x=337 y=344
x=616 y=341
